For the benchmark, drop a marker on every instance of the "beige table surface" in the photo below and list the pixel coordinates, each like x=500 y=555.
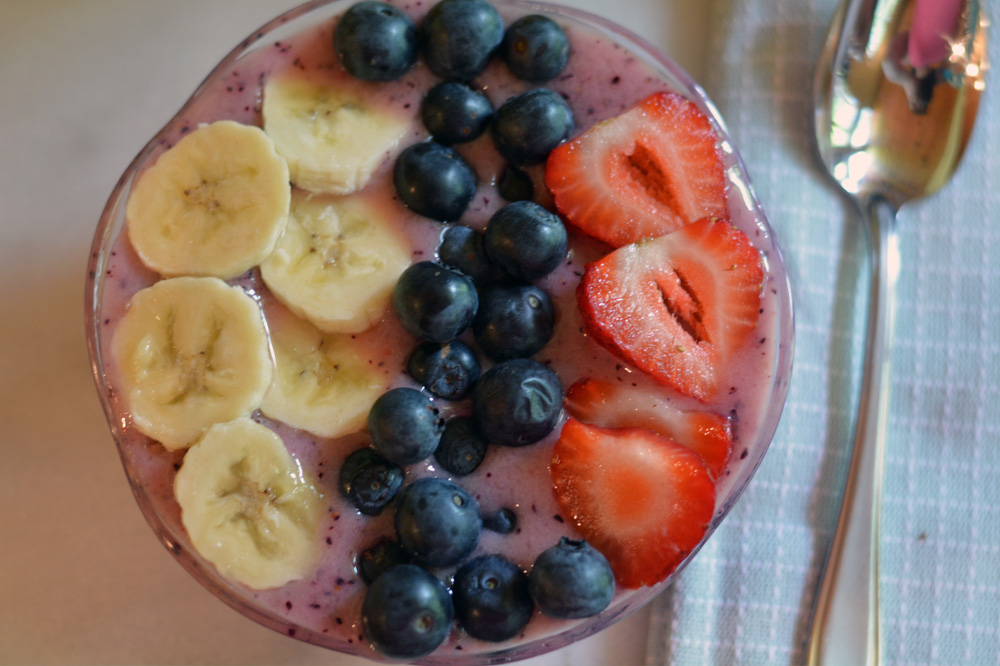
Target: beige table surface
x=83 y=85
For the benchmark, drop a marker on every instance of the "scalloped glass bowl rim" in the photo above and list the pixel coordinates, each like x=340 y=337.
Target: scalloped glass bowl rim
x=291 y=22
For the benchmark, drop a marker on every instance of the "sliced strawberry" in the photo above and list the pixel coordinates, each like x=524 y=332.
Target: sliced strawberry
x=646 y=172
x=641 y=499
x=677 y=306
x=617 y=405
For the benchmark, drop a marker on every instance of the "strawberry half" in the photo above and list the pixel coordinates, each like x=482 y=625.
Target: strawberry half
x=646 y=172
x=616 y=405
x=643 y=500
x=677 y=306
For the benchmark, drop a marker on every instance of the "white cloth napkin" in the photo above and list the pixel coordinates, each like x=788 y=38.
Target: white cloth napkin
x=746 y=598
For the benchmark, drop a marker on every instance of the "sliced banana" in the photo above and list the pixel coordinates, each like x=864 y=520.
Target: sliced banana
x=322 y=382
x=214 y=204
x=191 y=352
x=332 y=139
x=337 y=262
x=248 y=507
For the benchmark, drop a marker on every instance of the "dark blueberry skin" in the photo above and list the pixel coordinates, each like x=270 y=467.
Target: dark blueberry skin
x=526 y=240
x=369 y=481
x=513 y=321
x=515 y=184
x=527 y=127
x=375 y=41
x=447 y=370
x=454 y=113
x=462 y=448
x=378 y=559
x=458 y=38
x=491 y=598
x=517 y=402
x=405 y=425
x=437 y=522
x=501 y=521
x=407 y=612
x=434 y=181
x=535 y=48
x=572 y=580
x=434 y=302
x=462 y=248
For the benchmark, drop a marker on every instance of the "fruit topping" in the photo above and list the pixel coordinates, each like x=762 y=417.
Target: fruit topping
x=462 y=448
x=405 y=425
x=644 y=173
x=434 y=181
x=455 y=113
x=462 y=248
x=513 y=321
x=369 y=481
x=376 y=560
x=458 y=38
x=247 y=506
x=642 y=499
x=571 y=580
x=375 y=41
x=515 y=184
x=501 y=521
x=678 y=306
x=535 y=48
x=435 y=303
x=407 y=612
x=188 y=213
x=491 y=598
x=447 y=370
x=437 y=522
x=525 y=240
x=528 y=126
x=517 y=402
x=617 y=405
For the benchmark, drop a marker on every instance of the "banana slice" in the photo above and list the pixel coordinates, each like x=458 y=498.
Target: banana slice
x=337 y=262
x=248 y=507
x=215 y=204
x=191 y=352
x=332 y=139
x=322 y=382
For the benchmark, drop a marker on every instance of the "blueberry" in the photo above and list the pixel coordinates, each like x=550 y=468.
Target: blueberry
x=405 y=426
x=453 y=112
x=491 y=598
x=369 y=481
x=501 y=521
x=535 y=48
x=375 y=561
x=434 y=181
x=458 y=38
x=375 y=41
x=526 y=240
x=447 y=370
x=434 y=302
x=407 y=612
x=462 y=448
x=527 y=127
x=437 y=522
x=517 y=402
x=515 y=184
x=571 y=580
x=513 y=321
x=462 y=248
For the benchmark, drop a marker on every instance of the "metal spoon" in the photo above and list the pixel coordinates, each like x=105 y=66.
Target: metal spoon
x=896 y=93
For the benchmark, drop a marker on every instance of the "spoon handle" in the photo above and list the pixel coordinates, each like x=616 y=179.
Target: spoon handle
x=845 y=629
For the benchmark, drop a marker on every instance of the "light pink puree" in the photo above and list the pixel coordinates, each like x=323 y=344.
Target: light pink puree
x=600 y=81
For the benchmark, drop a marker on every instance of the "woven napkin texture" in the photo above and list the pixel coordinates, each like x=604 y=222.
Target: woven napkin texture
x=746 y=598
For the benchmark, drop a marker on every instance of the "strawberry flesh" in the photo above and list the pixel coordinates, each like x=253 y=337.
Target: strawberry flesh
x=644 y=173
x=643 y=500
x=678 y=306
x=615 y=405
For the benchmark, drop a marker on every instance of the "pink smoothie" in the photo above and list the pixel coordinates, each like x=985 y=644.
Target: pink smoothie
x=601 y=80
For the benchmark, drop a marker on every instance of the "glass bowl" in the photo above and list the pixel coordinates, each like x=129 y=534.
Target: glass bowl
x=610 y=70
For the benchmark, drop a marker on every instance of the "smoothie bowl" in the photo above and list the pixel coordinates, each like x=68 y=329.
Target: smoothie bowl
x=450 y=350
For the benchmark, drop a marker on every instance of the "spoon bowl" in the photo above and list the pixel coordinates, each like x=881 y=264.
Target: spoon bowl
x=896 y=94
